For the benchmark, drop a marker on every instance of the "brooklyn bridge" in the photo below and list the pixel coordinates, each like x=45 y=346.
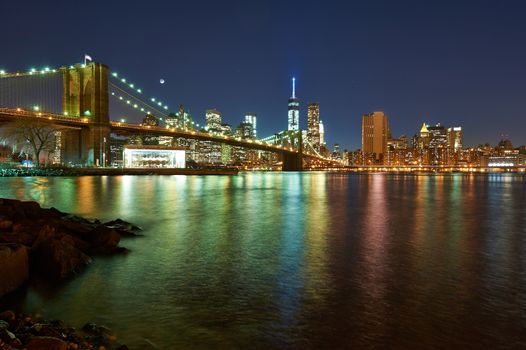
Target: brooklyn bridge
x=86 y=125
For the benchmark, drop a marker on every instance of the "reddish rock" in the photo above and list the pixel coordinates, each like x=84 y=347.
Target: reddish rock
x=7 y=315
x=6 y=211
x=52 y=213
x=23 y=238
x=55 y=257
x=14 y=267
x=103 y=240
x=46 y=343
x=31 y=209
x=75 y=227
x=16 y=206
x=6 y=224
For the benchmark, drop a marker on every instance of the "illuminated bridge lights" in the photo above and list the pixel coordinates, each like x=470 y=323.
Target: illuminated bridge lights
x=138 y=90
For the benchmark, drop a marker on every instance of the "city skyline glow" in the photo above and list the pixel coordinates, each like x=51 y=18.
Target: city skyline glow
x=442 y=62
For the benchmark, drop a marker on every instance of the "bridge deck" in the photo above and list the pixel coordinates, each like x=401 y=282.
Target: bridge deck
x=8 y=114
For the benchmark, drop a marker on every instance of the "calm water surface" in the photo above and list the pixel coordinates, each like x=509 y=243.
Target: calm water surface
x=289 y=260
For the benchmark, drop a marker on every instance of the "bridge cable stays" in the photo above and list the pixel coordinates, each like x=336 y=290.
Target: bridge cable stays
x=132 y=86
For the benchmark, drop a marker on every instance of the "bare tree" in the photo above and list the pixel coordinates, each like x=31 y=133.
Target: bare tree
x=33 y=137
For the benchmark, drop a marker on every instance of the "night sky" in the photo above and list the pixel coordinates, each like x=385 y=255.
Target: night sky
x=454 y=62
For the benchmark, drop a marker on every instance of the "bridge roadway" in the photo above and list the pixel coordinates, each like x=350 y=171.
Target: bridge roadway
x=10 y=115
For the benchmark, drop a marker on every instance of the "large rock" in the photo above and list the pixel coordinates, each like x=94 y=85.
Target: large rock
x=46 y=343
x=123 y=227
x=14 y=267
x=56 y=257
x=6 y=211
x=14 y=208
x=103 y=240
x=31 y=209
x=6 y=224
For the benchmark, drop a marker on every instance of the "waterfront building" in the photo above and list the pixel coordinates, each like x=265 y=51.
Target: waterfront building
x=153 y=156
x=294 y=109
x=510 y=160
x=313 y=124
x=375 y=129
x=251 y=119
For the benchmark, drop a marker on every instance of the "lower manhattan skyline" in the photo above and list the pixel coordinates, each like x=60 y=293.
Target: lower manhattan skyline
x=398 y=58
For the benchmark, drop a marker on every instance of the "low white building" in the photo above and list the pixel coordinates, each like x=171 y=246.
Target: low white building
x=143 y=156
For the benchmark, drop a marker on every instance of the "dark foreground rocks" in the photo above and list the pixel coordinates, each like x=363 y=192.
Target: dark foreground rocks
x=35 y=333
x=14 y=267
x=47 y=243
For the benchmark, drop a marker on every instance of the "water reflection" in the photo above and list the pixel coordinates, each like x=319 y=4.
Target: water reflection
x=289 y=260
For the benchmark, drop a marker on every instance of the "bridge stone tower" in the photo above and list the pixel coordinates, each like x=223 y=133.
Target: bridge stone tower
x=86 y=96
x=294 y=162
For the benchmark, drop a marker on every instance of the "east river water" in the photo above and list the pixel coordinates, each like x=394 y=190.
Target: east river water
x=290 y=260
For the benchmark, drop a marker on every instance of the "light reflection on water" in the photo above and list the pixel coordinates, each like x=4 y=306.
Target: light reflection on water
x=288 y=260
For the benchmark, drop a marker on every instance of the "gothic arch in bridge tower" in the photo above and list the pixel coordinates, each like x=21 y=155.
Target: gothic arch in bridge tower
x=86 y=96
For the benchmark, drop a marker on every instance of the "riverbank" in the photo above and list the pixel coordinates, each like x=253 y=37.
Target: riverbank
x=21 y=172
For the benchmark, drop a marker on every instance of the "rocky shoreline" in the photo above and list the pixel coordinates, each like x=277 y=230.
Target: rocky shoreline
x=47 y=244
x=35 y=333
x=24 y=172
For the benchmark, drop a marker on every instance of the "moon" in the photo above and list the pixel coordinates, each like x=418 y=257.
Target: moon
x=161 y=81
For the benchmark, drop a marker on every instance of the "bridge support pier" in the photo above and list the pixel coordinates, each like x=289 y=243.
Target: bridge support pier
x=87 y=147
x=292 y=162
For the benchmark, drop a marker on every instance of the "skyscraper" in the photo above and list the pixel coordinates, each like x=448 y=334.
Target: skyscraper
x=322 y=133
x=375 y=129
x=455 y=138
x=213 y=120
x=313 y=124
x=437 y=136
x=212 y=151
x=294 y=109
x=252 y=120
